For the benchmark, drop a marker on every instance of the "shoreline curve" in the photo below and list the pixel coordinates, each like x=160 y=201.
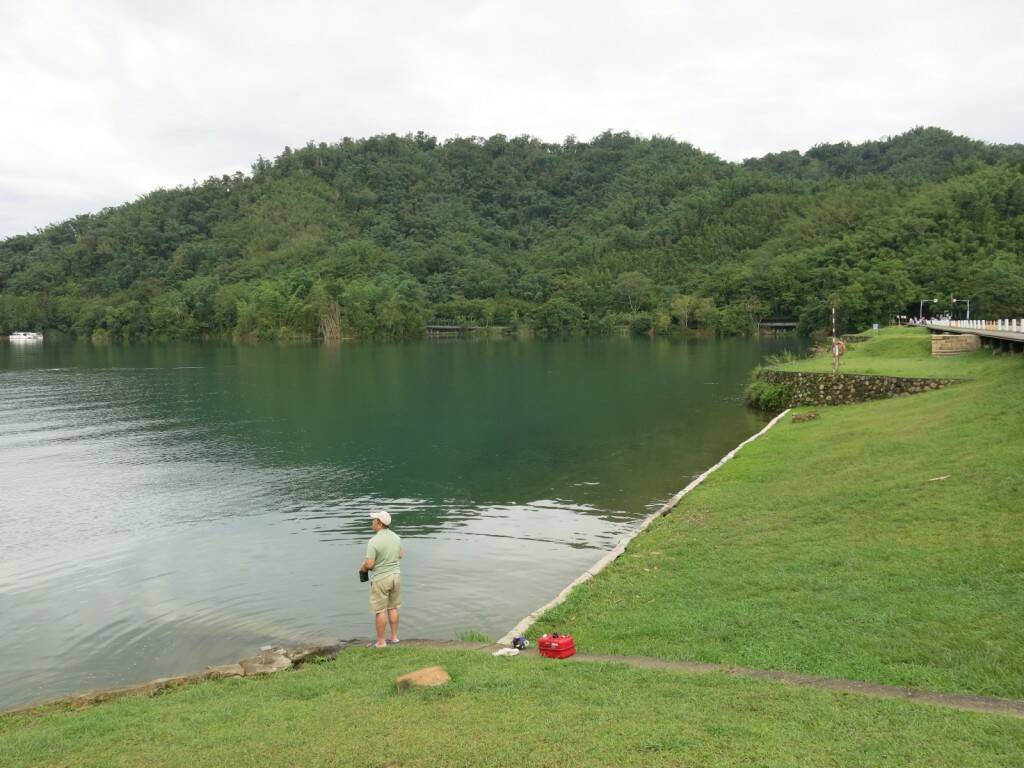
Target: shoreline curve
x=619 y=549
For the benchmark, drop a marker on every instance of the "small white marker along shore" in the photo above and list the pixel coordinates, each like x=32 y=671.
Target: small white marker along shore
x=620 y=548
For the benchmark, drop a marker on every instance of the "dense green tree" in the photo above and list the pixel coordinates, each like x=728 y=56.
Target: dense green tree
x=379 y=236
x=635 y=291
x=558 y=317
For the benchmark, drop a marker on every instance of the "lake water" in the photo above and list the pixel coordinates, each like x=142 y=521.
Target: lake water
x=165 y=507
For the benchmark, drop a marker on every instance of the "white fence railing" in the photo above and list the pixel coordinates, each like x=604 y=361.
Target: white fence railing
x=1012 y=325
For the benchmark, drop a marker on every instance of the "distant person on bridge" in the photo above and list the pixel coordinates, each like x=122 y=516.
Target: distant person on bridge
x=383 y=553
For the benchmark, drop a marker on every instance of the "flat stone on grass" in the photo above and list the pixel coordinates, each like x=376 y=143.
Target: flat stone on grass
x=427 y=677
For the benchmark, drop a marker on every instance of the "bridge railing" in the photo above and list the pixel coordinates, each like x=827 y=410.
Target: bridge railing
x=1013 y=325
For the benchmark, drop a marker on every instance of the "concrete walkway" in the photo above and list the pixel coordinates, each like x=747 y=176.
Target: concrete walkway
x=990 y=704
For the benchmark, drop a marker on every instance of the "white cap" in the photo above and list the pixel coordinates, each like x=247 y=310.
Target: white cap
x=384 y=517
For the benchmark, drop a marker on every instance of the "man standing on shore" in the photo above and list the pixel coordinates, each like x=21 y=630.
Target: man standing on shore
x=383 y=553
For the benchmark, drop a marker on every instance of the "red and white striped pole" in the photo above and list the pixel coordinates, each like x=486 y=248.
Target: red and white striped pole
x=835 y=343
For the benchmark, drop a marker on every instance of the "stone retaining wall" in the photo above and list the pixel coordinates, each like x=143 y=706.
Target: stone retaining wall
x=954 y=343
x=844 y=388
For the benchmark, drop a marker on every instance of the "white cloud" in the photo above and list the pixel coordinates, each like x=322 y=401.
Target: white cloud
x=106 y=100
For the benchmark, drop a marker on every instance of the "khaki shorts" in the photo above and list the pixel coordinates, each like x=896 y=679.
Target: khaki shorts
x=385 y=593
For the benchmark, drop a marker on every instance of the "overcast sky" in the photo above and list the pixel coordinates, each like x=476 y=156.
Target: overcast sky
x=102 y=101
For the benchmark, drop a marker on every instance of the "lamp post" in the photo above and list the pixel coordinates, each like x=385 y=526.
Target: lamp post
x=920 y=307
x=965 y=301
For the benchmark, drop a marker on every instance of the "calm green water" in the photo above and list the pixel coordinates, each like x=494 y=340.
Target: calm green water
x=164 y=507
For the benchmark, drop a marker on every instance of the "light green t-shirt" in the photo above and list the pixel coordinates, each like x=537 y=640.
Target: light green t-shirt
x=383 y=549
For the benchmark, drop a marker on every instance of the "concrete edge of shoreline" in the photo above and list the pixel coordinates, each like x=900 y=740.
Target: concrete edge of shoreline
x=617 y=551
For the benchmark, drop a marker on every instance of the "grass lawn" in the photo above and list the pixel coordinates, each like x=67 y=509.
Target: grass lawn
x=504 y=712
x=904 y=352
x=827 y=547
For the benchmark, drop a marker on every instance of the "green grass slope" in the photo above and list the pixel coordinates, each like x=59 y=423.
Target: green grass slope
x=501 y=712
x=904 y=352
x=832 y=548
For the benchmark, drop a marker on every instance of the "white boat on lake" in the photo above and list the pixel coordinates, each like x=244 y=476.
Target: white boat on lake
x=25 y=336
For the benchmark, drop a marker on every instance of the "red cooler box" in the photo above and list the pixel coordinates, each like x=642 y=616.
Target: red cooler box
x=556 y=646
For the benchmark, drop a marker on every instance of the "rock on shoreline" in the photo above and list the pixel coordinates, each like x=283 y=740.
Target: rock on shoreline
x=268 y=661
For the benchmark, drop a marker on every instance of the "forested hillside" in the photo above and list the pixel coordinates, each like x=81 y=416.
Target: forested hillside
x=380 y=236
